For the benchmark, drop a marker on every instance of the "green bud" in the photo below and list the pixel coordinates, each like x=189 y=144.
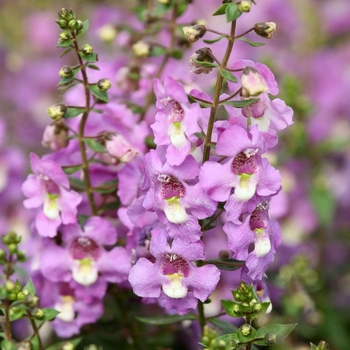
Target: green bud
x=39 y=314
x=236 y=295
x=2 y=255
x=257 y=307
x=12 y=248
x=10 y=285
x=79 y=25
x=67 y=346
x=270 y=338
x=65 y=71
x=234 y=345
x=322 y=345
x=66 y=14
x=30 y=300
x=13 y=296
x=104 y=84
x=21 y=255
x=246 y=329
x=236 y=309
x=64 y=37
x=243 y=5
x=57 y=111
x=62 y=23
x=26 y=345
x=87 y=49
x=72 y=24
x=205 y=340
x=20 y=296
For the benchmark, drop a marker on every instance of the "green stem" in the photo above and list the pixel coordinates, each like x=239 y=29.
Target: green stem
x=85 y=163
x=217 y=92
x=201 y=317
x=35 y=330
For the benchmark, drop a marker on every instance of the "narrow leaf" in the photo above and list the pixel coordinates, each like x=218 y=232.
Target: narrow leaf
x=94 y=145
x=72 y=169
x=224 y=263
x=30 y=287
x=241 y=103
x=221 y=10
x=157 y=51
x=177 y=54
x=65 y=43
x=214 y=40
x=281 y=330
x=35 y=343
x=101 y=95
x=57 y=346
x=205 y=64
x=232 y=12
x=252 y=43
x=225 y=326
x=100 y=111
x=77 y=182
x=50 y=314
x=313 y=346
x=164 y=320
x=91 y=57
x=228 y=75
x=65 y=51
x=93 y=66
x=73 y=112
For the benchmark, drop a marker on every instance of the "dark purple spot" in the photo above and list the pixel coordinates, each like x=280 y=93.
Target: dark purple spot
x=172 y=263
x=171 y=187
x=85 y=248
x=242 y=164
x=175 y=112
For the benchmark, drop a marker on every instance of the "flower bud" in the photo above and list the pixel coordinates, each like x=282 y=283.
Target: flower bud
x=141 y=49
x=26 y=345
x=20 y=296
x=65 y=71
x=62 y=23
x=246 y=329
x=204 y=55
x=72 y=24
x=117 y=146
x=107 y=33
x=31 y=300
x=63 y=37
x=39 y=314
x=10 y=285
x=13 y=296
x=265 y=29
x=57 y=111
x=270 y=338
x=12 y=248
x=87 y=49
x=79 y=25
x=195 y=32
x=66 y=14
x=67 y=346
x=21 y=255
x=2 y=255
x=322 y=345
x=104 y=84
x=243 y=5
x=55 y=136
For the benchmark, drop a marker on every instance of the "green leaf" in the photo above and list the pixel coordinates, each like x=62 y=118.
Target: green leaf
x=94 y=145
x=313 y=346
x=65 y=51
x=77 y=182
x=67 y=80
x=100 y=111
x=214 y=40
x=221 y=10
x=57 y=346
x=85 y=27
x=181 y=8
x=177 y=54
x=227 y=338
x=91 y=57
x=228 y=264
x=73 y=112
x=324 y=203
x=101 y=95
x=246 y=338
x=30 y=287
x=107 y=187
x=72 y=169
x=205 y=64
x=93 y=66
x=157 y=51
x=229 y=306
x=16 y=313
x=7 y=345
x=232 y=12
x=35 y=343
x=164 y=320
x=50 y=314
x=252 y=43
x=65 y=43
x=225 y=326
x=281 y=330
x=241 y=103
x=228 y=75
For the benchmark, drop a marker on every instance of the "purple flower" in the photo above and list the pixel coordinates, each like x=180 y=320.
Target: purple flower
x=49 y=187
x=83 y=261
x=173 y=276
x=257 y=230
x=176 y=120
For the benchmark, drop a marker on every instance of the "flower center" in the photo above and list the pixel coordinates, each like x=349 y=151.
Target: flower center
x=245 y=163
x=172 y=264
x=84 y=248
x=50 y=186
x=176 y=113
x=171 y=187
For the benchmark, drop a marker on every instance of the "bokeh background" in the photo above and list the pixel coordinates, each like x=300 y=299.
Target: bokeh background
x=310 y=56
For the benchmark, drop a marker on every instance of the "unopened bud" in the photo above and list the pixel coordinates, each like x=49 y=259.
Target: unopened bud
x=203 y=55
x=195 y=32
x=63 y=24
x=66 y=14
x=118 y=147
x=20 y=296
x=270 y=338
x=10 y=285
x=104 y=84
x=72 y=24
x=39 y=314
x=246 y=329
x=13 y=296
x=65 y=71
x=107 y=33
x=79 y=25
x=63 y=37
x=234 y=345
x=21 y=255
x=87 y=49
x=57 y=111
x=243 y=5
x=265 y=29
x=141 y=49
x=55 y=136
x=2 y=255
x=26 y=345
x=68 y=346
x=322 y=345
x=31 y=300
x=12 y=248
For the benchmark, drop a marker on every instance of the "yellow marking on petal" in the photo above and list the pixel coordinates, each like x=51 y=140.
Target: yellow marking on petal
x=174 y=288
x=65 y=307
x=177 y=135
x=50 y=208
x=174 y=212
x=262 y=242
x=246 y=188
x=85 y=272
